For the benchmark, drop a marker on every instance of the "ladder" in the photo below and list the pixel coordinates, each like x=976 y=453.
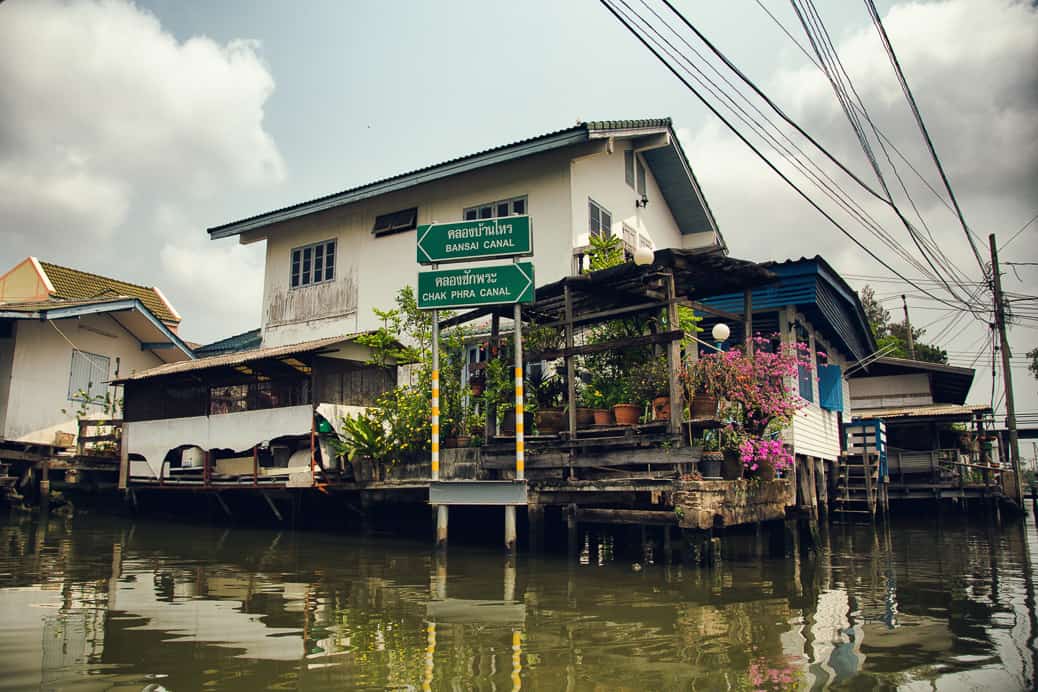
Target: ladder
x=857 y=488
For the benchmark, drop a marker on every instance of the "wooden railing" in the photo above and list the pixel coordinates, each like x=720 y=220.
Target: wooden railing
x=99 y=437
x=940 y=467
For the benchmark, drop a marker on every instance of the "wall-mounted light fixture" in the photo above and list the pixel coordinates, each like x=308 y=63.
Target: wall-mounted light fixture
x=643 y=202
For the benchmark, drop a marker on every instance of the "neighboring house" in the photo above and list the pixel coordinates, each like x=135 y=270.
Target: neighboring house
x=918 y=402
x=809 y=304
x=246 y=341
x=251 y=414
x=329 y=261
x=64 y=334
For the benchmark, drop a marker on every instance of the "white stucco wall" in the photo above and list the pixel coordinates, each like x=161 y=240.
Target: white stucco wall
x=41 y=367
x=891 y=391
x=371 y=270
x=599 y=175
x=6 y=361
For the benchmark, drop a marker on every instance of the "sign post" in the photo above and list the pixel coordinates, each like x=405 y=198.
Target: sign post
x=469 y=288
x=505 y=284
x=482 y=239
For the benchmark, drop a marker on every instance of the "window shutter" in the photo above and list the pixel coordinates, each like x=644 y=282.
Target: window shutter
x=830 y=387
x=89 y=374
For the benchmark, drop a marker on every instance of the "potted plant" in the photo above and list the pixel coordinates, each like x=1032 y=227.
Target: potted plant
x=765 y=458
x=625 y=412
x=650 y=382
x=710 y=462
x=595 y=396
x=547 y=392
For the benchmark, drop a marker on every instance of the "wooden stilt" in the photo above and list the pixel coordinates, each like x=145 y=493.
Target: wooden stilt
x=223 y=505
x=273 y=507
x=535 y=520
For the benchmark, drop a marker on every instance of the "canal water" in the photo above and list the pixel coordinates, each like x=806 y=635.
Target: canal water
x=95 y=603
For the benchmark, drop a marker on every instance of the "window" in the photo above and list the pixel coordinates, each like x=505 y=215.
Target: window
x=630 y=240
x=88 y=378
x=804 y=371
x=515 y=206
x=600 y=220
x=629 y=167
x=641 y=178
x=396 y=222
x=313 y=264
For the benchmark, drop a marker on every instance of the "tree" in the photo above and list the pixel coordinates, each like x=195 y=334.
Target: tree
x=877 y=315
x=895 y=334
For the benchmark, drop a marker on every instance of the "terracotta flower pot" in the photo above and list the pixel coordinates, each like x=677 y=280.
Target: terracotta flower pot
x=603 y=416
x=661 y=408
x=626 y=414
x=549 y=421
x=704 y=405
x=585 y=417
x=508 y=422
x=733 y=467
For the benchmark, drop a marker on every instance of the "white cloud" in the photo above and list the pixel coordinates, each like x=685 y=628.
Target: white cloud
x=115 y=134
x=221 y=282
x=971 y=64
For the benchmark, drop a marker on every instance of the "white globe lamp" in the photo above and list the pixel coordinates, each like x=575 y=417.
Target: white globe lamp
x=720 y=332
x=643 y=256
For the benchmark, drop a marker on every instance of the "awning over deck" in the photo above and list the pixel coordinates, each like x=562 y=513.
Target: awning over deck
x=697 y=275
x=948 y=413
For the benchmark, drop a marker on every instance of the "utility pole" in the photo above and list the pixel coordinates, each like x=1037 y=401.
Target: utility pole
x=1007 y=373
x=908 y=328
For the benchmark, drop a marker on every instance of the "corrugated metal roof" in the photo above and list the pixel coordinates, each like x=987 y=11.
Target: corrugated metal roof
x=812 y=285
x=74 y=284
x=930 y=411
x=231 y=359
x=246 y=341
x=669 y=166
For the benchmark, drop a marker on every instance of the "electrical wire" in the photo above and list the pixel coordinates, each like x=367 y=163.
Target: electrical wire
x=626 y=22
x=878 y=22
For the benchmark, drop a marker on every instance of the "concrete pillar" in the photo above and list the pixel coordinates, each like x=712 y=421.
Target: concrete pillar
x=441 y=527
x=510 y=528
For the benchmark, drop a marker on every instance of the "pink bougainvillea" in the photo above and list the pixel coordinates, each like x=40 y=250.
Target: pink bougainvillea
x=760 y=395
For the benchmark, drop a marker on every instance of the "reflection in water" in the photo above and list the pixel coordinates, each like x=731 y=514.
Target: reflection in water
x=94 y=603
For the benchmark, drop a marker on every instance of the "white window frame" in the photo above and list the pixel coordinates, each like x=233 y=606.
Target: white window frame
x=595 y=212
x=309 y=273
x=629 y=157
x=98 y=368
x=495 y=209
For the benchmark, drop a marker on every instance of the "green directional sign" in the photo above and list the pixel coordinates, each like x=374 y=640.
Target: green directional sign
x=468 y=288
x=507 y=236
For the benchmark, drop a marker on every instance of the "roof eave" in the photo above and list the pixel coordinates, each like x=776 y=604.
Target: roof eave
x=65 y=312
x=407 y=180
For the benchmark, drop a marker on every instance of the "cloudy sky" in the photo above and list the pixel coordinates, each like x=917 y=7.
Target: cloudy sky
x=127 y=129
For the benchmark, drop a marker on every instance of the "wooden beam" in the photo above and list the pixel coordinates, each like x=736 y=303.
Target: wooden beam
x=627 y=516
x=604 y=314
x=696 y=305
x=674 y=361
x=124 y=459
x=630 y=342
x=571 y=370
